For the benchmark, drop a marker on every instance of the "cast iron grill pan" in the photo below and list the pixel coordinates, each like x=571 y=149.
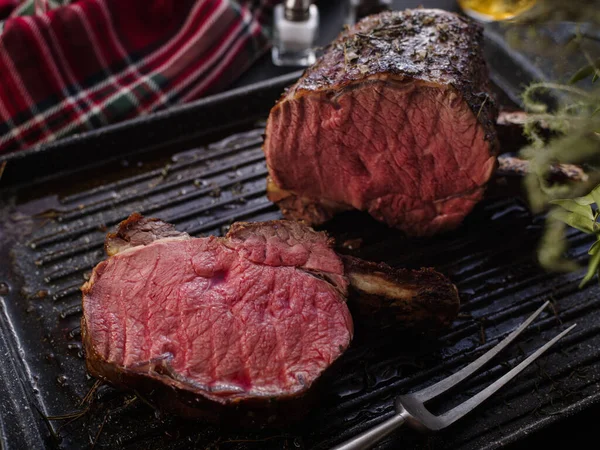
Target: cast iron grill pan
x=51 y=236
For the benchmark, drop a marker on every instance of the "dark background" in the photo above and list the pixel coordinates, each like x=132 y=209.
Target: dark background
x=576 y=432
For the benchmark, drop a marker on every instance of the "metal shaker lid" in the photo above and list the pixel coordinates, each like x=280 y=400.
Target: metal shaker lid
x=297 y=10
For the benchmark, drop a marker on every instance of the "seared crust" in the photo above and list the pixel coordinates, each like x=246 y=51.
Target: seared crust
x=286 y=228
x=418 y=299
x=139 y=230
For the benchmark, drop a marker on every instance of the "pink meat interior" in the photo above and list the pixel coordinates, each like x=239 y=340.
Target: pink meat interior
x=214 y=320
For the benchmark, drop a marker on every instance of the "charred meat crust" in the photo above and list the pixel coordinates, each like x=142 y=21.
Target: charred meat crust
x=293 y=232
x=139 y=230
x=295 y=207
x=418 y=299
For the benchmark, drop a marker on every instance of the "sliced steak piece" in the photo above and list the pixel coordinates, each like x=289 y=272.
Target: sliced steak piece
x=204 y=324
x=245 y=319
x=396 y=118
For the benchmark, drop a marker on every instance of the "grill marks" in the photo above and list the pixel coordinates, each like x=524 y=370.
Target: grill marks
x=74 y=244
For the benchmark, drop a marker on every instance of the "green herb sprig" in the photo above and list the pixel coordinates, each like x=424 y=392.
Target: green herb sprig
x=575 y=125
x=563 y=127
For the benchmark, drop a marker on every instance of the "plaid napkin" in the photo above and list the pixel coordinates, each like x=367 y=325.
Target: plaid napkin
x=71 y=66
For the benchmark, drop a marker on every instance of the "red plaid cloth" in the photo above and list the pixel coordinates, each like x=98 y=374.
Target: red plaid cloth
x=95 y=62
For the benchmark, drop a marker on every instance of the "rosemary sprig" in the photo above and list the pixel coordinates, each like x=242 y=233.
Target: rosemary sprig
x=570 y=114
x=575 y=124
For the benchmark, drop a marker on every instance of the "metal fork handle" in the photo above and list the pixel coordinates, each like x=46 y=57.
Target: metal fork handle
x=370 y=437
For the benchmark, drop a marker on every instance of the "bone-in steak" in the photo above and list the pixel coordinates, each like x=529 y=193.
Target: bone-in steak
x=246 y=318
x=219 y=327
x=396 y=118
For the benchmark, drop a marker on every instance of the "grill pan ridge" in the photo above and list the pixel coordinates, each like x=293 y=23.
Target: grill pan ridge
x=51 y=236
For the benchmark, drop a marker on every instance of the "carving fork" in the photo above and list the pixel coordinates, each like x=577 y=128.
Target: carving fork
x=410 y=408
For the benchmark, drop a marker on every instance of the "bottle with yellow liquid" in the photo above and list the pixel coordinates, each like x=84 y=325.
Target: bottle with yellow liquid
x=493 y=10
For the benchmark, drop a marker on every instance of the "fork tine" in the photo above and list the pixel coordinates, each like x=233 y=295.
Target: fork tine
x=445 y=384
x=468 y=405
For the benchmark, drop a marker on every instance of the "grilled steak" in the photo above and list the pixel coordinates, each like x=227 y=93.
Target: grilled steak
x=229 y=320
x=204 y=324
x=396 y=118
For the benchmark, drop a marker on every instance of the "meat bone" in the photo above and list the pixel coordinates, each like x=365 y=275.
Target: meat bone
x=420 y=299
x=509 y=126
